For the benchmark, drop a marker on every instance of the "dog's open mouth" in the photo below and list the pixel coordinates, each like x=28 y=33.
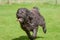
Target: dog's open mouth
x=20 y=19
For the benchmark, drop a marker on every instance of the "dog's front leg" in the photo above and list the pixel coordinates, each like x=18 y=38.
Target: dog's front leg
x=28 y=34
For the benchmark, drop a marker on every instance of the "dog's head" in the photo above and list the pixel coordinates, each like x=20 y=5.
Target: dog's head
x=21 y=14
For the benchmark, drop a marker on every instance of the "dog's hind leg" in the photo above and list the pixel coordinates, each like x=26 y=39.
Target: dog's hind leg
x=35 y=32
x=44 y=28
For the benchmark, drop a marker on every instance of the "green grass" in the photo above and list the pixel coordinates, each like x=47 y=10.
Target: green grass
x=10 y=28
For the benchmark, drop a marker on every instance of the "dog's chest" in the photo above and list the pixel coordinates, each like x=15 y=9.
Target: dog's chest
x=28 y=27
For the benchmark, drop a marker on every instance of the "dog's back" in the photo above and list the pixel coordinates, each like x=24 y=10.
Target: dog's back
x=37 y=16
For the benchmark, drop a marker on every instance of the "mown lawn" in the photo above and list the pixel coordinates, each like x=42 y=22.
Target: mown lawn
x=10 y=28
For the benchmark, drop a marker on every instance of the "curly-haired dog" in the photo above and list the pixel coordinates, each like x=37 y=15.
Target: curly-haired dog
x=30 y=20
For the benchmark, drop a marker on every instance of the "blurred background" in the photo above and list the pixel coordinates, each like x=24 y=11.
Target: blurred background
x=29 y=1
x=10 y=28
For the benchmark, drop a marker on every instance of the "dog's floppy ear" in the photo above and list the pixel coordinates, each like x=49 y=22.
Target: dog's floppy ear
x=27 y=12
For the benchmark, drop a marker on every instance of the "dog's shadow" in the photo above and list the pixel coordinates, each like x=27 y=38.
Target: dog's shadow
x=24 y=38
x=21 y=38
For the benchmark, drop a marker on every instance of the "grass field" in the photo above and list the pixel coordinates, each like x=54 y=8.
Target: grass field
x=10 y=28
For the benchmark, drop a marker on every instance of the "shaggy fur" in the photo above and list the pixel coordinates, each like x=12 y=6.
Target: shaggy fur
x=30 y=20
